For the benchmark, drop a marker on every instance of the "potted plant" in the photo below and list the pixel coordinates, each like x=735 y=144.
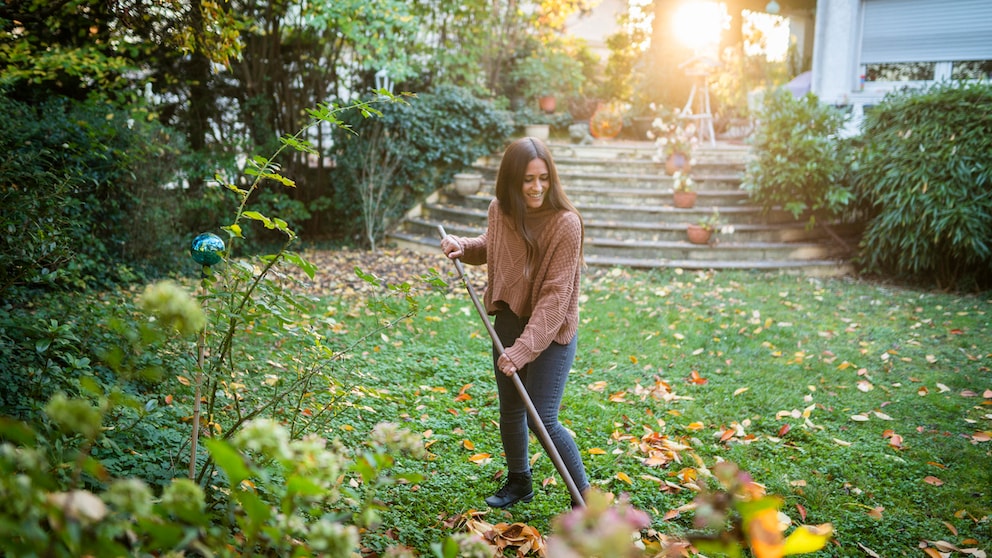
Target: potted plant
x=606 y=122
x=683 y=190
x=675 y=143
x=701 y=232
x=548 y=73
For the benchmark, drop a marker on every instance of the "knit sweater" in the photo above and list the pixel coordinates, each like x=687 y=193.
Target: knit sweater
x=549 y=298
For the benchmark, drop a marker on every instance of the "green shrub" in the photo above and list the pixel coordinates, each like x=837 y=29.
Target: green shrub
x=926 y=173
x=430 y=138
x=800 y=164
x=87 y=179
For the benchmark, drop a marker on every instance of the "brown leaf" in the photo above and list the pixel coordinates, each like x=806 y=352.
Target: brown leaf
x=930 y=479
x=871 y=553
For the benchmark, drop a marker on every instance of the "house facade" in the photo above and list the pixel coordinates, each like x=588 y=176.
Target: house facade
x=863 y=49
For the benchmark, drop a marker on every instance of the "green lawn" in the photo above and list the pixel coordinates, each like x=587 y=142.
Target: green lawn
x=868 y=406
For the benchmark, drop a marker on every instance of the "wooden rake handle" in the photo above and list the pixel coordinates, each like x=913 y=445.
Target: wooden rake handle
x=535 y=418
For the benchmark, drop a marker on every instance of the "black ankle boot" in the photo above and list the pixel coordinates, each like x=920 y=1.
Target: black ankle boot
x=518 y=488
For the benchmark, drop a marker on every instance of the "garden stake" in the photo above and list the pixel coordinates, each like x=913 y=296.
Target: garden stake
x=535 y=418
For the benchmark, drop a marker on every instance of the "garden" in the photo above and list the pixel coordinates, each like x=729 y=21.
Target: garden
x=209 y=350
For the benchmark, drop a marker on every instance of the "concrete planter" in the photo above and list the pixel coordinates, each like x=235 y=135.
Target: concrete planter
x=467 y=183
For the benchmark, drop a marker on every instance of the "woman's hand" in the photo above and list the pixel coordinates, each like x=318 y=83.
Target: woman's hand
x=451 y=247
x=505 y=365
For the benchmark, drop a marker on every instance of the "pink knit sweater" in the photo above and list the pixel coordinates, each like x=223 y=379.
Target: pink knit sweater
x=550 y=296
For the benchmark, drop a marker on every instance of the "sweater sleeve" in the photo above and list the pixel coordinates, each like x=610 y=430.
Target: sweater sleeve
x=475 y=247
x=555 y=293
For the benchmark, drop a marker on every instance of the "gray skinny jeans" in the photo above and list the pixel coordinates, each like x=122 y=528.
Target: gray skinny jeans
x=544 y=379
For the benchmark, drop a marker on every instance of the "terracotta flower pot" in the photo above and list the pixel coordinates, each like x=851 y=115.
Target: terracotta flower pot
x=684 y=200
x=548 y=103
x=677 y=162
x=698 y=234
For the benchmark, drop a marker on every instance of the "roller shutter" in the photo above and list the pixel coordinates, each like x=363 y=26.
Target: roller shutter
x=926 y=30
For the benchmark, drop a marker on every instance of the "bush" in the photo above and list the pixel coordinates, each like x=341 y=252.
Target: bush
x=927 y=177
x=801 y=164
x=86 y=178
x=411 y=150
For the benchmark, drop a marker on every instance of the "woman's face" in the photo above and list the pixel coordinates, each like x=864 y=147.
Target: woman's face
x=536 y=183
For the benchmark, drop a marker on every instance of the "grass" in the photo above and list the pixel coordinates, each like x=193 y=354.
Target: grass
x=863 y=405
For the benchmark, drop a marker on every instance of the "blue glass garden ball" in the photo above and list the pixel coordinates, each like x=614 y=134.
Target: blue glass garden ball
x=207 y=249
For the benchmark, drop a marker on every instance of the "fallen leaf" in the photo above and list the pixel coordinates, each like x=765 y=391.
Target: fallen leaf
x=982 y=436
x=597 y=386
x=467 y=444
x=806 y=539
x=597 y=451
x=480 y=458
x=881 y=415
x=739 y=391
x=623 y=476
x=784 y=429
x=930 y=479
x=695 y=378
x=871 y=553
x=802 y=512
x=859 y=418
x=841 y=442
x=876 y=512
x=951 y=528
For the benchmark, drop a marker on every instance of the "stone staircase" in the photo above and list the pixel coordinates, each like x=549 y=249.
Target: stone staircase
x=626 y=203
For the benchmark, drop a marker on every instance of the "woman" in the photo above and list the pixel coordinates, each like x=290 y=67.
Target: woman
x=533 y=251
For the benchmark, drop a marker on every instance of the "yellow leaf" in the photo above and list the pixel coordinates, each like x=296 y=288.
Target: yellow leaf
x=467 y=444
x=597 y=386
x=807 y=538
x=480 y=458
x=695 y=426
x=633 y=359
x=739 y=391
x=597 y=451
x=183 y=380
x=623 y=476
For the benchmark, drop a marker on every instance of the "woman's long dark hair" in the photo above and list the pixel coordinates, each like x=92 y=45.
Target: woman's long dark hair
x=509 y=190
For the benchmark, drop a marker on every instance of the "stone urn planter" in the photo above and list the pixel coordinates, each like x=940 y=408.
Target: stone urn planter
x=467 y=183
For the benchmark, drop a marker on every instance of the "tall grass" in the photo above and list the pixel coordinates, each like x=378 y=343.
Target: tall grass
x=862 y=404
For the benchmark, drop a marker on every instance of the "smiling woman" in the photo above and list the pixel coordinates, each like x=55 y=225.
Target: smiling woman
x=698 y=24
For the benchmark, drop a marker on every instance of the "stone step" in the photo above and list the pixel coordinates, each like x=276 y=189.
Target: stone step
x=472 y=209
x=662 y=231
x=718 y=255
x=625 y=199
